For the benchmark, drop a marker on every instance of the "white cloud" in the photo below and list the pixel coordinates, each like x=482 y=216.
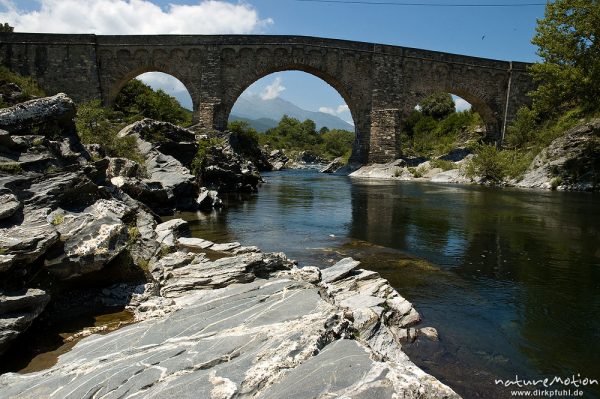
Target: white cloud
x=169 y=84
x=273 y=90
x=339 y=110
x=159 y=80
x=327 y=110
x=461 y=105
x=342 y=108
x=134 y=17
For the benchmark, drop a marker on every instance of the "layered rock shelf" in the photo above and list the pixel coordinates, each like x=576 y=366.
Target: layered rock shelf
x=249 y=324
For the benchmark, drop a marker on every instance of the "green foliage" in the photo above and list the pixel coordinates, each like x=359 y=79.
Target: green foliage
x=12 y=168
x=438 y=105
x=201 y=155
x=554 y=183
x=418 y=172
x=495 y=165
x=528 y=131
x=6 y=28
x=567 y=38
x=29 y=86
x=442 y=164
x=292 y=135
x=337 y=143
x=96 y=125
x=133 y=234
x=428 y=136
x=58 y=219
x=247 y=139
x=137 y=100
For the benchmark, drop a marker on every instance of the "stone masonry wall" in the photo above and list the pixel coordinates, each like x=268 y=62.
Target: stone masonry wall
x=381 y=84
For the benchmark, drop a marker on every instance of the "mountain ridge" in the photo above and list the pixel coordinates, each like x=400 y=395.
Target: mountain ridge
x=263 y=114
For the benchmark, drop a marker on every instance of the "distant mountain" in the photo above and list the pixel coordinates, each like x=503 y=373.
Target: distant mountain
x=260 y=125
x=262 y=113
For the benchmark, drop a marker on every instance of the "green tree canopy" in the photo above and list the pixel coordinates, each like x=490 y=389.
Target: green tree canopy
x=137 y=100
x=6 y=28
x=567 y=38
x=438 y=105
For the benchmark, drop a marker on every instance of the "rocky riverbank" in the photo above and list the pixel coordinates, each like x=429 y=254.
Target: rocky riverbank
x=570 y=163
x=79 y=229
x=248 y=324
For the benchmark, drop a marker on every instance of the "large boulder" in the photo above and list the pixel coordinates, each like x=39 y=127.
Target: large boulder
x=570 y=162
x=43 y=116
x=166 y=183
x=224 y=170
x=278 y=159
x=89 y=239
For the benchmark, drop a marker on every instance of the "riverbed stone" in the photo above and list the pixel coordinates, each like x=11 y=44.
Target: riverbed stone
x=9 y=204
x=195 y=243
x=338 y=271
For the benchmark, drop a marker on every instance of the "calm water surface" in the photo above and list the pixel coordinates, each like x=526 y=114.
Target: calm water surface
x=510 y=278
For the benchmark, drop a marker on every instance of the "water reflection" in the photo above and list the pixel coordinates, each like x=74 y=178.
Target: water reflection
x=527 y=262
x=510 y=278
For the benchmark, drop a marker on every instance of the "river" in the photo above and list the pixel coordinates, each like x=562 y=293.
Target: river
x=510 y=278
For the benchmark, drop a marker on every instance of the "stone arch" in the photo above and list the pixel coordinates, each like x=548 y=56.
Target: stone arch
x=478 y=102
x=358 y=111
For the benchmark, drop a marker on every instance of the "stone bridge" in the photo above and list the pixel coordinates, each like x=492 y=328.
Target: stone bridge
x=381 y=84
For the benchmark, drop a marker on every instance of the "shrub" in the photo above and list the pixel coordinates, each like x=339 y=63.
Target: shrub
x=29 y=87
x=442 y=164
x=137 y=100
x=201 y=155
x=95 y=126
x=488 y=163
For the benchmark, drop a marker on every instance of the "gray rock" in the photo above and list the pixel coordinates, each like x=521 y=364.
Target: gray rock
x=123 y=167
x=259 y=339
x=429 y=332
x=58 y=110
x=6 y=262
x=169 y=184
x=333 y=166
x=195 y=243
x=31 y=239
x=168 y=232
x=208 y=199
x=91 y=238
x=570 y=162
x=17 y=312
x=338 y=271
x=9 y=205
x=226 y=247
x=361 y=301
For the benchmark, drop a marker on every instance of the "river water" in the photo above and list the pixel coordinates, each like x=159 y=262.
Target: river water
x=510 y=278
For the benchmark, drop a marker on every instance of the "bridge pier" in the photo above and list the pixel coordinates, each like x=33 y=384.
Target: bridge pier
x=384 y=137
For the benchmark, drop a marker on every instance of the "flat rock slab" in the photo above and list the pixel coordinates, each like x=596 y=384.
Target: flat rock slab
x=196 y=243
x=226 y=247
x=361 y=301
x=339 y=270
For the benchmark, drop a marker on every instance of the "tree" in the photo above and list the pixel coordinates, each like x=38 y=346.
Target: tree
x=6 y=28
x=438 y=105
x=567 y=38
x=136 y=99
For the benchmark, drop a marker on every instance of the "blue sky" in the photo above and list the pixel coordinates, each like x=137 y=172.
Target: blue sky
x=491 y=32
